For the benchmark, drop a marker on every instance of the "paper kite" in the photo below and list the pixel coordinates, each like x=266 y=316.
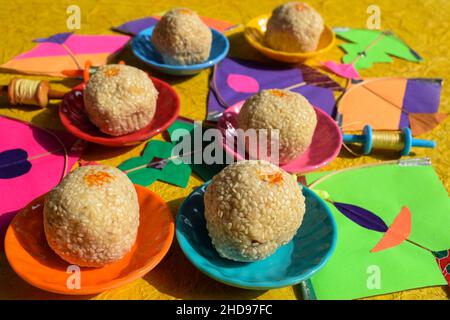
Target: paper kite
x=235 y=80
x=32 y=161
x=367 y=47
x=397 y=225
x=156 y=163
x=392 y=104
x=66 y=51
x=395 y=234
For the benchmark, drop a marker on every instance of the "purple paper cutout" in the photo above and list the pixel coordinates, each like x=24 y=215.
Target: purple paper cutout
x=421 y=96
x=58 y=38
x=362 y=217
x=14 y=163
x=136 y=26
x=221 y=96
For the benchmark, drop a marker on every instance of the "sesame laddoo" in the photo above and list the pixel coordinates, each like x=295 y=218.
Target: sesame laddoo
x=120 y=99
x=92 y=217
x=182 y=38
x=294 y=27
x=252 y=207
x=288 y=112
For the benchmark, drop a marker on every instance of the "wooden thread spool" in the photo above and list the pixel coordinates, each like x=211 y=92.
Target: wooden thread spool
x=30 y=92
x=401 y=141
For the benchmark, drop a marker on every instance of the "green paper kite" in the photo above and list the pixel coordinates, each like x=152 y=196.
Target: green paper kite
x=204 y=171
x=149 y=167
x=371 y=46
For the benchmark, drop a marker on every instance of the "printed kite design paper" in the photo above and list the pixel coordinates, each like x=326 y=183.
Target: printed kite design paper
x=404 y=265
x=392 y=104
x=66 y=51
x=235 y=80
x=367 y=47
x=32 y=162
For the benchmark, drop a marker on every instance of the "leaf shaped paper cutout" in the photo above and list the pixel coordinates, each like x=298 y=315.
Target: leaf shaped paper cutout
x=377 y=49
x=362 y=217
x=140 y=169
x=14 y=163
x=398 y=231
x=242 y=83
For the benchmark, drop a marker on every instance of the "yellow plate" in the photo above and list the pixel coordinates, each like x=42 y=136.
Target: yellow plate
x=254 y=33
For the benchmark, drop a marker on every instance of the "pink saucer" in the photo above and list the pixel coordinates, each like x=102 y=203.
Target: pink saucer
x=73 y=116
x=324 y=148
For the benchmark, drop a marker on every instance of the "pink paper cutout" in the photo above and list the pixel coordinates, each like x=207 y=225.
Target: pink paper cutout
x=45 y=173
x=347 y=71
x=43 y=50
x=78 y=44
x=242 y=83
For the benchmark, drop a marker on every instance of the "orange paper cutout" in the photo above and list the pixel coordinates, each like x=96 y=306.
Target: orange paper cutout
x=398 y=232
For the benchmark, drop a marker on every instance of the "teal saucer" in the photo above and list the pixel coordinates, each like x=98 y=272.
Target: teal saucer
x=292 y=263
x=143 y=48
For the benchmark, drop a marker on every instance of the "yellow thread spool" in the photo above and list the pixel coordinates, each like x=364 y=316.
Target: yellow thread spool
x=401 y=141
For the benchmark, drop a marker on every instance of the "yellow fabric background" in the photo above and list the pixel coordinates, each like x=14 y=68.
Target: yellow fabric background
x=424 y=24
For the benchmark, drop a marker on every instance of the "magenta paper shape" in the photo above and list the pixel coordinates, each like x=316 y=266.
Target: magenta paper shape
x=242 y=83
x=45 y=156
x=64 y=51
x=343 y=70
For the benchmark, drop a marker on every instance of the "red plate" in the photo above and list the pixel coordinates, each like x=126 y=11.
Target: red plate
x=74 y=117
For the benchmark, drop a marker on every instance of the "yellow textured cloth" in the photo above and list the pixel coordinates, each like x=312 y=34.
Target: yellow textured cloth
x=424 y=24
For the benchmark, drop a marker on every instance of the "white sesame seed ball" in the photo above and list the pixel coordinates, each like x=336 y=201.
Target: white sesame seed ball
x=294 y=27
x=287 y=111
x=251 y=209
x=92 y=217
x=120 y=99
x=182 y=38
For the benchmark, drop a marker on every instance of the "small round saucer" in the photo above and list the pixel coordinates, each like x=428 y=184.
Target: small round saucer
x=292 y=263
x=325 y=146
x=143 y=48
x=254 y=33
x=74 y=118
x=34 y=261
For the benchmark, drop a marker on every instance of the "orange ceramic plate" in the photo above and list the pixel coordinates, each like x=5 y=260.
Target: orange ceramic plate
x=254 y=33
x=34 y=261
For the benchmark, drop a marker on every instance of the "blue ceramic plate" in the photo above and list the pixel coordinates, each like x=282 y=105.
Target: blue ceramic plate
x=143 y=48
x=292 y=263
